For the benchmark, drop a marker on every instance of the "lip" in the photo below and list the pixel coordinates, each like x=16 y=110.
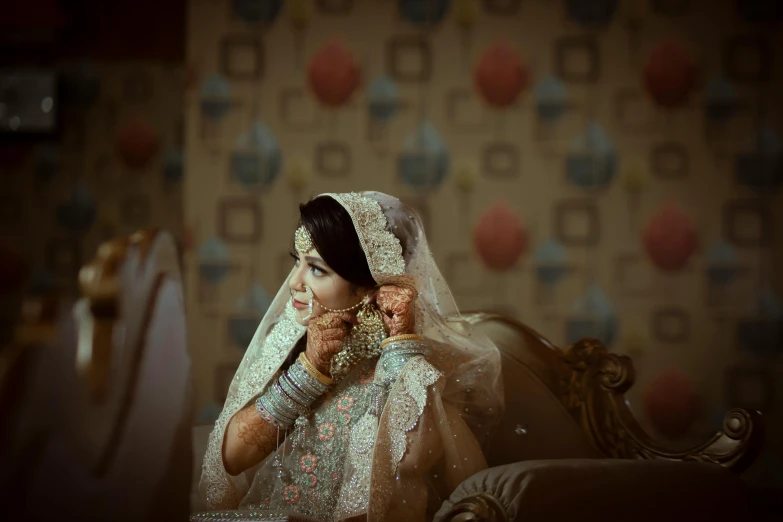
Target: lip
x=299 y=305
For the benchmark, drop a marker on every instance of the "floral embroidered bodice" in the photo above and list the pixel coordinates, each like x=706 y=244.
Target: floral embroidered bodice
x=314 y=455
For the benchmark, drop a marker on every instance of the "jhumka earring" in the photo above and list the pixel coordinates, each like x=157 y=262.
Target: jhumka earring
x=363 y=342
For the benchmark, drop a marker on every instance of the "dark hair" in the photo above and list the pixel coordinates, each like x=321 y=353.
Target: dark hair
x=334 y=236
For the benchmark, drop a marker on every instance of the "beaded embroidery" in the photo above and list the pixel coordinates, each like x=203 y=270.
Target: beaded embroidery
x=381 y=247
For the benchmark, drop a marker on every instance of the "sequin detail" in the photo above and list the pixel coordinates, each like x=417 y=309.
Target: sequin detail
x=220 y=490
x=381 y=248
x=407 y=406
x=402 y=362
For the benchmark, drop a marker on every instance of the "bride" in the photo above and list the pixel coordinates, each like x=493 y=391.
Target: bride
x=362 y=395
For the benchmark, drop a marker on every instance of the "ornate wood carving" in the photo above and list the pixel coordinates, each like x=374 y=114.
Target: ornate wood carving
x=593 y=393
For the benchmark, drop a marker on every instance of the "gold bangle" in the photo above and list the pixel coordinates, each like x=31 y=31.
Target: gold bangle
x=402 y=337
x=312 y=370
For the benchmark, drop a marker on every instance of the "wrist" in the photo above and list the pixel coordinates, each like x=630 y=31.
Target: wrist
x=315 y=369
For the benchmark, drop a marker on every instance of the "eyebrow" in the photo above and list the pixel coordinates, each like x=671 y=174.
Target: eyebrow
x=311 y=259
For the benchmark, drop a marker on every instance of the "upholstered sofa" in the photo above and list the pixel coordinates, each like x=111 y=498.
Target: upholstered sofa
x=568 y=447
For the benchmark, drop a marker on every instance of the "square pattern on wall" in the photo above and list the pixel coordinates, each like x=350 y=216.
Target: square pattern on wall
x=409 y=59
x=671 y=325
x=239 y=220
x=500 y=160
x=577 y=59
x=746 y=223
x=333 y=159
x=669 y=160
x=241 y=57
x=577 y=223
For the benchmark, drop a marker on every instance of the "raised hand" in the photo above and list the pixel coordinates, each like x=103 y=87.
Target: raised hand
x=396 y=304
x=325 y=336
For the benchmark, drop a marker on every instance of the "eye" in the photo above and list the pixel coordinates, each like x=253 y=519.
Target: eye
x=317 y=271
x=295 y=258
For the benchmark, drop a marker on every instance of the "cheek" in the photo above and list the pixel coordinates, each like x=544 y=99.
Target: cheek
x=330 y=292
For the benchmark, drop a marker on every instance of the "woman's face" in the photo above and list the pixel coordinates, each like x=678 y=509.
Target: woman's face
x=329 y=289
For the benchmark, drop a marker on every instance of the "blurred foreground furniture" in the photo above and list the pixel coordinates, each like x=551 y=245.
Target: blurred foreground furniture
x=569 y=448
x=95 y=402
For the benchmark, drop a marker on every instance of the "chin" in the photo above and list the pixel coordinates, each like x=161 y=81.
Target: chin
x=298 y=314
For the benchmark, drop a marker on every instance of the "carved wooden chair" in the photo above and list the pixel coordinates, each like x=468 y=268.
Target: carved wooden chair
x=95 y=397
x=569 y=448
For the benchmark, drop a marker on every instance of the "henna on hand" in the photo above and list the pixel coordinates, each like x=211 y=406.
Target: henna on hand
x=255 y=431
x=396 y=304
x=325 y=336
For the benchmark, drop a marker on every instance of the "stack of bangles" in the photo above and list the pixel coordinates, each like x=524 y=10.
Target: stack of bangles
x=292 y=395
x=299 y=387
x=399 y=338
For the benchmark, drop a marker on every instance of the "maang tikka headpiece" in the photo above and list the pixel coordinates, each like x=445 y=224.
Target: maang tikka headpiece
x=302 y=241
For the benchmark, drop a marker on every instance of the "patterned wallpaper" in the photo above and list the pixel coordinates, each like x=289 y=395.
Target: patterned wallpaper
x=117 y=167
x=598 y=168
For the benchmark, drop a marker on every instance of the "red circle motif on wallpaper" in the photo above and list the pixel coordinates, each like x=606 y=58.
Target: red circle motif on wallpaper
x=670 y=238
x=501 y=74
x=671 y=403
x=333 y=74
x=500 y=238
x=137 y=143
x=670 y=74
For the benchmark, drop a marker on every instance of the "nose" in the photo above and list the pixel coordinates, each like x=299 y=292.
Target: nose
x=295 y=283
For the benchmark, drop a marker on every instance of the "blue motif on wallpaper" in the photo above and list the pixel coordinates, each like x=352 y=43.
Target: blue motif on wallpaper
x=423 y=13
x=257 y=161
x=722 y=264
x=762 y=332
x=424 y=160
x=257 y=10
x=592 y=161
x=720 y=100
x=383 y=98
x=215 y=97
x=550 y=258
x=213 y=260
x=592 y=315
x=173 y=165
x=551 y=97
x=591 y=12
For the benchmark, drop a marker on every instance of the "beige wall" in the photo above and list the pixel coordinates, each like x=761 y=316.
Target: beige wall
x=696 y=320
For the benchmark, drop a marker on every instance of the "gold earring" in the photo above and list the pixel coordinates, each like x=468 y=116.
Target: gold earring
x=364 y=341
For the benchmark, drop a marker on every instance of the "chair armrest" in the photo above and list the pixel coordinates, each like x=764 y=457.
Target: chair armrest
x=600 y=490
